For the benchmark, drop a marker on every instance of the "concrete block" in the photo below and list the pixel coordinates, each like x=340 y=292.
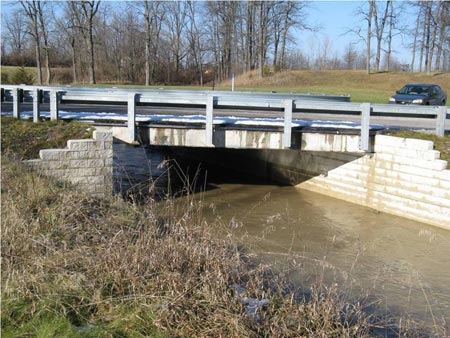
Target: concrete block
x=428 y=155
x=102 y=135
x=107 y=145
x=433 y=165
x=77 y=145
x=91 y=180
x=94 y=163
x=443 y=175
x=54 y=154
x=402 y=143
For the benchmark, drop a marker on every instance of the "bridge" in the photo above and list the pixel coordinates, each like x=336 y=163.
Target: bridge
x=222 y=119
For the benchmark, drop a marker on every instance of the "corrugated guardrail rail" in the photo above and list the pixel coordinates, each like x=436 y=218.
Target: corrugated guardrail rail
x=289 y=103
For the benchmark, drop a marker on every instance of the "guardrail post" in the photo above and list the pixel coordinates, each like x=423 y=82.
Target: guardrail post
x=36 y=102
x=209 y=120
x=16 y=102
x=54 y=105
x=440 y=120
x=131 y=108
x=365 y=126
x=287 y=135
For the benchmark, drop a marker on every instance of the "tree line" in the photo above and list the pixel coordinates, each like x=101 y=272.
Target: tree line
x=185 y=42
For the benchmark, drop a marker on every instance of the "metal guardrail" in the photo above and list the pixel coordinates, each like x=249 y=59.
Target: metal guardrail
x=288 y=103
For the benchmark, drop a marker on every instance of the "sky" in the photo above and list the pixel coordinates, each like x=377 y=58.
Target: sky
x=335 y=18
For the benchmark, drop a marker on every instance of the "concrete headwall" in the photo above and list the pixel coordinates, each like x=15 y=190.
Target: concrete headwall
x=404 y=177
x=87 y=164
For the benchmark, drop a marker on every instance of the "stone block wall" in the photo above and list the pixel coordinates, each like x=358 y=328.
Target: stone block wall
x=404 y=177
x=87 y=164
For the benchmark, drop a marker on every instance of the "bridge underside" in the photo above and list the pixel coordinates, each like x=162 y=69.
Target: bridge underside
x=287 y=166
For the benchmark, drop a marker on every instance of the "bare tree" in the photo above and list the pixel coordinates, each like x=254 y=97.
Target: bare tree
x=41 y=8
x=380 y=23
x=85 y=12
x=416 y=34
x=368 y=18
x=195 y=40
x=444 y=30
x=152 y=23
x=31 y=11
x=17 y=34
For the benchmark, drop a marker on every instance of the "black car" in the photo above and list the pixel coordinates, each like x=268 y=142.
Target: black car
x=420 y=93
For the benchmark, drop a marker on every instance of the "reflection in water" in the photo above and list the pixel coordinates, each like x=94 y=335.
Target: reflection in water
x=403 y=263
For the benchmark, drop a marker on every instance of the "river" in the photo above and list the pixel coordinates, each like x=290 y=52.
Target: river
x=402 y=264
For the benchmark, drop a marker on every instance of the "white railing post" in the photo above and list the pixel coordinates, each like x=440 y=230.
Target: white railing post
x=440 y=120
x=365 y=126
x=131 y=108
x=209 y=120
x=287 y=134
x=36 y=102
x=54 y=105
x=16 y=102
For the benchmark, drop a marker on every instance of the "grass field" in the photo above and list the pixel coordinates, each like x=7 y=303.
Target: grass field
x=374 y=88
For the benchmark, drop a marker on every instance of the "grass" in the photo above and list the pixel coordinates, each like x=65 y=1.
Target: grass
x=24 y=139
x=374 y=88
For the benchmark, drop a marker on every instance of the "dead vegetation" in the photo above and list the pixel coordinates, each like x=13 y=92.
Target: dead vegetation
x=115 y=267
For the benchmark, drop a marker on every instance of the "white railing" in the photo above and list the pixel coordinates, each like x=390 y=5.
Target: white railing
x=288 y=103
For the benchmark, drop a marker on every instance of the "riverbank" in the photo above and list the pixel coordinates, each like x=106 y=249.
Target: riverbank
x=75 y=266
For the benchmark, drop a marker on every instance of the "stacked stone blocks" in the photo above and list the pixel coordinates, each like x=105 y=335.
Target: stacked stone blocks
x=404 y=177
x=87 y=164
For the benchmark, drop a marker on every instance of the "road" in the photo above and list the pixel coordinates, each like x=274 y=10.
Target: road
x=394 y=122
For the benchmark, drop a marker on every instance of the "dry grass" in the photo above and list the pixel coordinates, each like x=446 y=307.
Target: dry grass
x=113 y=268
x=375 y=88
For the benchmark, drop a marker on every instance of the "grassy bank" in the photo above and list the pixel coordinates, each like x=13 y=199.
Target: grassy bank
x=73 y=266
x=374 y=88
x=24 y=139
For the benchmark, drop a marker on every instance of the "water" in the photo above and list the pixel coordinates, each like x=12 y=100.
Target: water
x=404 y=265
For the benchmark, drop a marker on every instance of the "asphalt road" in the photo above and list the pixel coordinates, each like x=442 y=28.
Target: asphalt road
x=392 y=122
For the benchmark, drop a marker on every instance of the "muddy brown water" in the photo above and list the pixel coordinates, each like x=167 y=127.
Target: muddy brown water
x=404 y=265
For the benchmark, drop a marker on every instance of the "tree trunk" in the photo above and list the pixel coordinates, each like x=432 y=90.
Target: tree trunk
x=45 y=40
x=260 y=41
x=427 y=38
x=74 y=64
x=433 y=35
x=389 y=38
x=91 y=56
x=283 y=40
x=416 y=33
x=444 y=21
x=369 y=34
